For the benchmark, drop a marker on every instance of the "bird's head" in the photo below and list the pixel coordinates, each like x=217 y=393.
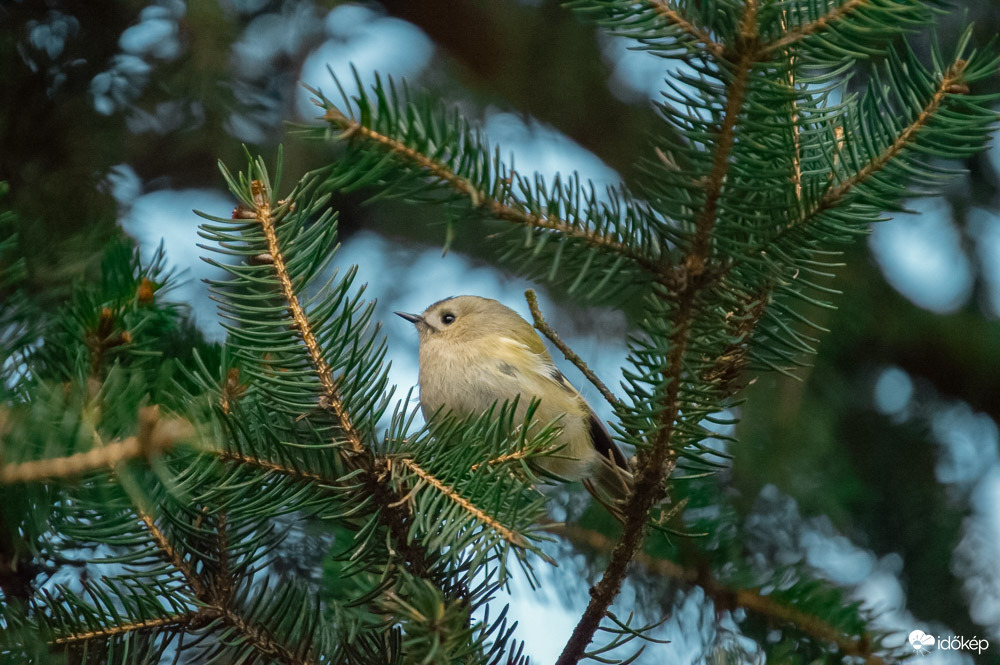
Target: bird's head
x=465 y=319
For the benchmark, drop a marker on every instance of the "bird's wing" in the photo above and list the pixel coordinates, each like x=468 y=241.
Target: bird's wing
x=605 y=445
x=599 y=434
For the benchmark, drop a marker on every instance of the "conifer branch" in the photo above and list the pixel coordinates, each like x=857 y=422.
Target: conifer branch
x=183 y=619
x=510 y=536
x=950 y=84
x=174 y=557
x=656 y=463
x=222 y=586
x=160 y=438
x=102 y=339
x=392 y=513
x=543 y=327
x=736 y=90
x=267 y=465
x=796 y=137
x=728 y=597
x=508 y=457
x=803 y=31
x=477 y=197
x=262 y=210
x=672 y=16
x=261 y=639
x=216 y=600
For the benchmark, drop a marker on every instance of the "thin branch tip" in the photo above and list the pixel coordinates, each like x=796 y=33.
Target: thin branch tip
x=543 y=327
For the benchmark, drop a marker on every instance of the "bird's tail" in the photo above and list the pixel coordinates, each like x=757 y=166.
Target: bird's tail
x=610 y=485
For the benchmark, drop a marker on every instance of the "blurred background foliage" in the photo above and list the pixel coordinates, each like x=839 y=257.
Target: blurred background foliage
x=879 y=469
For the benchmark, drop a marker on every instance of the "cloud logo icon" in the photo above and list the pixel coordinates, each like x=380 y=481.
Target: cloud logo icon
x=920 y=641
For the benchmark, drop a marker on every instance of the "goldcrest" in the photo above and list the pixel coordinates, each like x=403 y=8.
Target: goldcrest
x=476 y=352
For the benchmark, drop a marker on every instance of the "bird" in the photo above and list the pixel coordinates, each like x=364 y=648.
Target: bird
x=475 y=352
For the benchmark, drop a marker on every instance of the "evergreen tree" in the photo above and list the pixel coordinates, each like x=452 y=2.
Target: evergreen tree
x=172 y=474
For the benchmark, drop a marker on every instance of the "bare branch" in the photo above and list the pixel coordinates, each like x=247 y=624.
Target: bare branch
x=542 y=325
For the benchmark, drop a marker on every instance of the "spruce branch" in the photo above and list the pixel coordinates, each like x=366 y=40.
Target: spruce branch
x=173 y=556
x=332 y=401
x=736 y=90
x=796 y=129
x=262 y=640
x=511 y=537
x=241 y=459
x=824 y=22
x=501 y=459
x=730 y=598
x=156 y=436
x=180 y=620
x=950 y=84
x=657 y=462
x=543 y=327
x=216 y=601
x=673 y=16
x=392 y=512
x=517 y=214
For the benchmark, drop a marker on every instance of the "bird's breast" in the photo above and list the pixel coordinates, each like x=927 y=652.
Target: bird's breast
x=465 y=383
x=469 y=383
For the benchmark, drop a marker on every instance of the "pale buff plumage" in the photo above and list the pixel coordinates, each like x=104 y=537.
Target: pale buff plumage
x=475 y=352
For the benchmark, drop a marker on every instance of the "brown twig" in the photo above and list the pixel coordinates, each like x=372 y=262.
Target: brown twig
x=159 y=436
x=797 y=156
x=262 y=639
x=267 y=465
x=508 y=457
x=222 y=584
x=543 y=327
x=672 y=16
x=750 y=599
x=173 y=556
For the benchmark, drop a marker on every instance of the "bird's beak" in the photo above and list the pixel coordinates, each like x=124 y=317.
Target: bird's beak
x=412 y=318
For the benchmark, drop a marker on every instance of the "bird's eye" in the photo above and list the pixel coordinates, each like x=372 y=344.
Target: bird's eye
x=447 y=319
